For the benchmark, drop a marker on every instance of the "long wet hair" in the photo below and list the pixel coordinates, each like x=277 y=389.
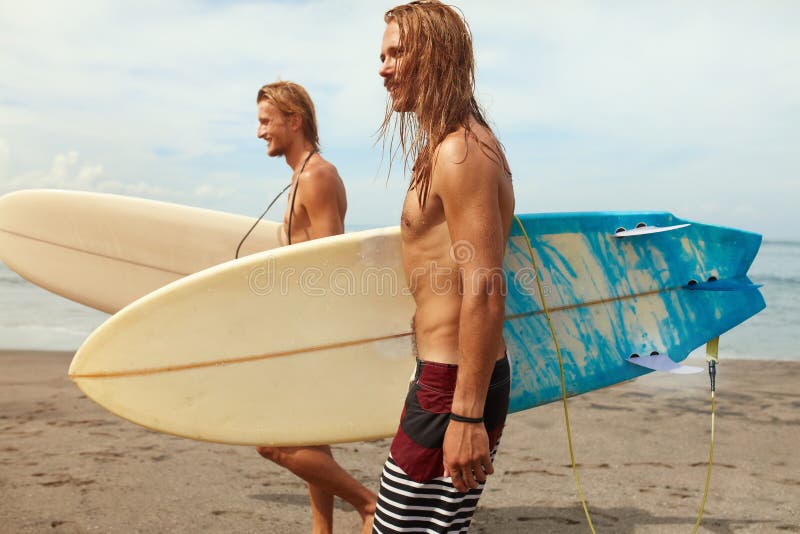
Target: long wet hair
x=437 y=76
x=292 y=99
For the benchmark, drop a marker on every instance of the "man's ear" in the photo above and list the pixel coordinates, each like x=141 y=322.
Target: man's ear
x=295 y=121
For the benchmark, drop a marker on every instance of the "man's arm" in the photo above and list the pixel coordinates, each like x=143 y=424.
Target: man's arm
x=319 y=195
x=467 y=184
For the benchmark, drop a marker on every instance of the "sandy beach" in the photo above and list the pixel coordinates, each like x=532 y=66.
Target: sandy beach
x=642 y=448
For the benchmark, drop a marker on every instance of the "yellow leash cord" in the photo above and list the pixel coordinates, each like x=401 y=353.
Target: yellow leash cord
x=712 y=350
x=561 y=371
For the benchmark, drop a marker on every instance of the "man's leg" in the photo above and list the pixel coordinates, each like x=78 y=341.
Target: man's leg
x=431 y=506
x=321 y=509
x=325 y=478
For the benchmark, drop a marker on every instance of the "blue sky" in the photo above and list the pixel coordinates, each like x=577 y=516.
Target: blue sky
x=687 y=107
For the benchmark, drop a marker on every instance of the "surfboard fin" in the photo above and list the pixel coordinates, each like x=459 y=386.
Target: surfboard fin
x=662 y=362
x=721 y=285
x=643 y=229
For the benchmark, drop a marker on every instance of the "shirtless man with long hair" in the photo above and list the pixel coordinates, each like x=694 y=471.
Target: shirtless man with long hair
x=455 y=222
x=316 y=208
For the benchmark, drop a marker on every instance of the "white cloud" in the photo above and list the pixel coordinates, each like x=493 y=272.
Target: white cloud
x=207 y=190
x=68 y=172
x=64 y=173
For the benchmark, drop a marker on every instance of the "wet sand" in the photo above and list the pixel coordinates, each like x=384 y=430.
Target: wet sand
x=67 y=465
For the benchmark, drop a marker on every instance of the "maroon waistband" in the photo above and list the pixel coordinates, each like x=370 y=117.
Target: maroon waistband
x=442 y=376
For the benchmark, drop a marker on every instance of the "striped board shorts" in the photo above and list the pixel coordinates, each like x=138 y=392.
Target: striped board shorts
x=415 y=496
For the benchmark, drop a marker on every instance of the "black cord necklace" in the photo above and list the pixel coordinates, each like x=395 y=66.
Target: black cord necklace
x=291 y=211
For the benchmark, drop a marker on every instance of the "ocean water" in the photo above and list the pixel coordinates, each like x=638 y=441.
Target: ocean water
x=774 y=333
x=32 y=318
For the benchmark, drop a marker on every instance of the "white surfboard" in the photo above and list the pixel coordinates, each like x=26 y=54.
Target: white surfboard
x=289 y=301
x=105 y=251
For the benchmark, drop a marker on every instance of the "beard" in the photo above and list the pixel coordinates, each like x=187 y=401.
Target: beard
x=401 y=99
x=275 y=150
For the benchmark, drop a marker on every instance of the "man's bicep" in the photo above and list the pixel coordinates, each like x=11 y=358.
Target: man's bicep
x=472 y=211
x=325 y=220
x=321 y=204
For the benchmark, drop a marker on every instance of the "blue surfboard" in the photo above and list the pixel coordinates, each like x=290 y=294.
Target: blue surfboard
x=619 y=285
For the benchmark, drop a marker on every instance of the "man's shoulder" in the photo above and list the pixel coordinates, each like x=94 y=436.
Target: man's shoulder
x=454 y=147
x=464 y=155
x=320 y=179
x=321 y=172
x=468 y=146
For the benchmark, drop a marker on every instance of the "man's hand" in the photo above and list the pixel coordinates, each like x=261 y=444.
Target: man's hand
x=466 y=455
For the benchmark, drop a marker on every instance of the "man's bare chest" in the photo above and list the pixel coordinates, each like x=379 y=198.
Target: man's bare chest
x=416 y=222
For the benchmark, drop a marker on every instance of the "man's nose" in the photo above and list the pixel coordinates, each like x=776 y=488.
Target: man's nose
x=386 y=68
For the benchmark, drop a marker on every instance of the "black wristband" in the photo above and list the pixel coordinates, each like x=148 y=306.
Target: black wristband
x=463 y=419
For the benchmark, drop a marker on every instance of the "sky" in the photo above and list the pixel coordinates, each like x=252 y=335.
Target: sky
x=687 y=107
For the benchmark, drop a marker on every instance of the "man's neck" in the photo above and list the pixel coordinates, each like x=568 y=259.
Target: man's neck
x=296 y=155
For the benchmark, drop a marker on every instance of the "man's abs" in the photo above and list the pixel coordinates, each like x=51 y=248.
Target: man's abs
x=436 y=329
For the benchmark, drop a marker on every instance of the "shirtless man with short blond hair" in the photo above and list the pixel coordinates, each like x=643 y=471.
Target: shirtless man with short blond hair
x=316 y=208
x=455 y=222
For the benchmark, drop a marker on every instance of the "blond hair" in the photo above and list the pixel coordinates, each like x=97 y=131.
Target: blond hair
x=437 y=72
x=292 y=99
